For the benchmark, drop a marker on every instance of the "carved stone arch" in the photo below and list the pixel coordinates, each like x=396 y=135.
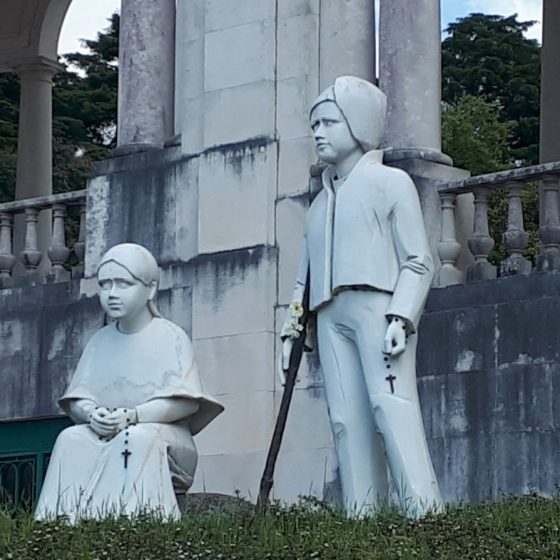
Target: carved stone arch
x=29 y=30
x=52 y=25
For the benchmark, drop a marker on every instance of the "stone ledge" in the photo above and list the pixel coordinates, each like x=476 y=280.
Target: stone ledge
x=493 y=292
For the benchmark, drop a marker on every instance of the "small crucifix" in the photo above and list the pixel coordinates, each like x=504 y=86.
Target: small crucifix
x=126 y=454
x=390 y=378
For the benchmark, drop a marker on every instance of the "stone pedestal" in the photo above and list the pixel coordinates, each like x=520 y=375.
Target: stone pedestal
x=515 y=264
x=146 y=74
x=548 y=261
x=481 y=271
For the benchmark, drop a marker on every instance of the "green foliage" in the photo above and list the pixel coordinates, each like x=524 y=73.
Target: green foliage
x=477 y=140
x=491 y=88
x=475 y=137
x=84 y=115
x=488 y=56
x=518 y=528
x=85 y=96
x=9 y=115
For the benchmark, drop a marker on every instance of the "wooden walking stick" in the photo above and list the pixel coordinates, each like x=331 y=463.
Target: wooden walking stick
x=267 y=479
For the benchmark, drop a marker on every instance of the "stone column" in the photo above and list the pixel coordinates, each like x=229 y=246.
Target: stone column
x=34 y=156
x=410 y=75
x=347 y=40
x=146 y=74
x=550 y=101
x=550 y=83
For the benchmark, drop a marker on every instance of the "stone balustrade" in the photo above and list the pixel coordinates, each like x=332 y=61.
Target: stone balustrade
x=515 y=238
x=33 y=268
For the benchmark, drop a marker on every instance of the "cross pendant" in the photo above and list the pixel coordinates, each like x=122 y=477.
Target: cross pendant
x=126 y=454
x=390 y=378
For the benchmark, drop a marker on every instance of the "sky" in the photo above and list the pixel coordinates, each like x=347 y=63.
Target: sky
x=526 y=9
x=86 y=17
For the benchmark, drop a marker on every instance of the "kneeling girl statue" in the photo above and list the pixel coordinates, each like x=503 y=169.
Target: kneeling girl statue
x=136 y=399
x=367 y=260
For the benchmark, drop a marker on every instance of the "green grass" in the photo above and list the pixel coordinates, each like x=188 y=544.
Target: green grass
x=520 y=529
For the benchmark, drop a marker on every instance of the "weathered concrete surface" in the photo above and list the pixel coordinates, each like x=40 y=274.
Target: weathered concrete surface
x=44 y=330
x=489 y=376
x=149 y=198
x=42 y=333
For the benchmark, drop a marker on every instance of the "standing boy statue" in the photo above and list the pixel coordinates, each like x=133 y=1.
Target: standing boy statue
x=370 y=270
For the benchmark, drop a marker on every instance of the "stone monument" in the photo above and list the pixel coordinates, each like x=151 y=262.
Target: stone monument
x=136 y=399
x=368 y=264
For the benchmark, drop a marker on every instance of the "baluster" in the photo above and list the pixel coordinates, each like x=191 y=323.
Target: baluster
x=480 y=244
x=31 y=256
x=448 y=248
x=515 y=237
x=80 y=245
x=549 y=230
x=58 y=251
x=7 y=258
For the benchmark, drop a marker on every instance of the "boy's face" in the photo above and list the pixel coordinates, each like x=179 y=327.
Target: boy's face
x=333 y=140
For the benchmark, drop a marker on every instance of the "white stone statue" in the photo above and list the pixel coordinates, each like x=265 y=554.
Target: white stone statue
x=370 y=270
x=136 y=399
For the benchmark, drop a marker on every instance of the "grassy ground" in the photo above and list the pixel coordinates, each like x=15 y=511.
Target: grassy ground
x=521 y=529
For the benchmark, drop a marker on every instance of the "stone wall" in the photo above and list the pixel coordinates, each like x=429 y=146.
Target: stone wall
x=210 y=220
x=489 y=371
x=489 y=381
x=43 y=330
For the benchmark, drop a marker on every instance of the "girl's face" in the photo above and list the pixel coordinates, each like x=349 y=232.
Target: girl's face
x=122 y=296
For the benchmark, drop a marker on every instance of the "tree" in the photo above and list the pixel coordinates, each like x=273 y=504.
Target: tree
x=85 y=96
x=84 y=114
x=9 y=114
x=488 y=56
x=475 y=137
x=491 y=89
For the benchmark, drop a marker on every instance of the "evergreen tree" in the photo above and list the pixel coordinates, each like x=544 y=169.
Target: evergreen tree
x=84 y=114
x=488 y=56
x=85 y=96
